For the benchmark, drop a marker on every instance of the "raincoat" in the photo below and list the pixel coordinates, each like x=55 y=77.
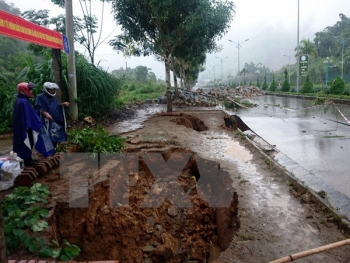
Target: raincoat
x=27 y=130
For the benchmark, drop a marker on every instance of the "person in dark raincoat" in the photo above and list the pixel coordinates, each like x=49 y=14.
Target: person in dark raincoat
x=52 y=113
x=27 y=127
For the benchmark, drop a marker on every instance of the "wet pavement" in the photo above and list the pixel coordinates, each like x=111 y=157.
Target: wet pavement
x=312 y=143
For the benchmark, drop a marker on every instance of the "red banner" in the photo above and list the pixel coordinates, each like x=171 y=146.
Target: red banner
x=17 y=27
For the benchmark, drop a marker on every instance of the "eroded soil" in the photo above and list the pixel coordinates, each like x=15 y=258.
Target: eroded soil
x=127 y=219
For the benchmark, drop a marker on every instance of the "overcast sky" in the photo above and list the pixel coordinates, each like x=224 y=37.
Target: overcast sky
x=270 y=26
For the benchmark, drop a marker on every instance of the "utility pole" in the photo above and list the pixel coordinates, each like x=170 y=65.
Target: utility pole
x=298 y=67
x=73 y=106
x=222 y=75
x=238 y=46
x=342 y=57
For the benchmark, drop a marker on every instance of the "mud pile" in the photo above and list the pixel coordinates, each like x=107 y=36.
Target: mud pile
x=206 y=97
x=138 y=209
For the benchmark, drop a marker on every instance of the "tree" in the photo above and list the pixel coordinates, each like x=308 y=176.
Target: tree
x=257 y=82
x=273 y=85
x=86 y=28
x=159 y=27
x=337 y=87
x=308 y=87
x=306 y=47
x=141 y=73
x=264 y=86
x=286 y=84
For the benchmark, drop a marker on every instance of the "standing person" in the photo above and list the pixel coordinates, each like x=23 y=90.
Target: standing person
x=27 y=127
x=52 y=113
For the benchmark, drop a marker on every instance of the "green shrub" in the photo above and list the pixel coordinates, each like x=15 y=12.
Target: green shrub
x=264 y=86
x=273 y=86
x=285 y=85
x=337 y=86
x=24 y=215
x=308 y=86
x=96 y=140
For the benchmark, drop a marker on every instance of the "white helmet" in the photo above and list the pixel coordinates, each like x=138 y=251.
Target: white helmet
x=50 y=85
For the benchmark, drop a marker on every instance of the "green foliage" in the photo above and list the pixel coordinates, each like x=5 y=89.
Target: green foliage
x=257 y=82
x=95 y=140
x=140 y=74
x=319 y=101
x=133 y=91
x=24 y=215
x=7 y=98
x=97 y=89
x=337 y=87
x=308 y=87
x=273 y=85
x=285 y=85
x=265 y=86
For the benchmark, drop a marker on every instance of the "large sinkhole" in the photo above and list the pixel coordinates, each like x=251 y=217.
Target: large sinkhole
x=168 y=206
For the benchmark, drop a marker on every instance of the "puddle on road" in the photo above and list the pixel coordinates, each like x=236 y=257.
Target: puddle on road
x=237 y=152
x=137 y=122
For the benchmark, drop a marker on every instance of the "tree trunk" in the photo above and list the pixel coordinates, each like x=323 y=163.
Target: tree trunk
x=2 y=239
x=181 y=77
x=168 y=85
x=175 y=79
x=62 y=93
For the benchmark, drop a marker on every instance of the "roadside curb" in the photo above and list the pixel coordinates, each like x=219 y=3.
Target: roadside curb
x=342 y=222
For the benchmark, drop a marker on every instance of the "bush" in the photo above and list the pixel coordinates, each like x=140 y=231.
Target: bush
x=285 y=85
x=337 y=87
x=96 y=140
x=264 y=86
x=273 y=86
x=308 y=87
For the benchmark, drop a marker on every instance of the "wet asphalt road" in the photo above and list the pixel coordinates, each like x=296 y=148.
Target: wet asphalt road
x=317 y=139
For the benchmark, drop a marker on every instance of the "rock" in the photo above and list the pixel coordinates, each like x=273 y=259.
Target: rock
x=89 y=120
x=172 y=211
x=148 y=249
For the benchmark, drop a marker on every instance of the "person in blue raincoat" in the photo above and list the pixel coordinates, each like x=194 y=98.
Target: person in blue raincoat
x=27 y=127
x=52 y=113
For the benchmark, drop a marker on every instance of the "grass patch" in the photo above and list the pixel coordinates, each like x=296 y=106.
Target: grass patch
x=137 y=92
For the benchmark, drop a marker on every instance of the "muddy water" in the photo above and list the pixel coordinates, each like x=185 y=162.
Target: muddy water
x=137 y=122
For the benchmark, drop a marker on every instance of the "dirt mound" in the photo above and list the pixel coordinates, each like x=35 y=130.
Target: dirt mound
x=144 y=209
x=190 y=122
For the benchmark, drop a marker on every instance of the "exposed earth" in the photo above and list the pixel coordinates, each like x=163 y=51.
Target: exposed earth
x=229 y=203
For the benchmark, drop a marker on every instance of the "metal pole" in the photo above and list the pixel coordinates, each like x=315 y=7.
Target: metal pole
x=239 y=67
x=342 y=59
x=222 y=75
x=327 y=73
x=238 y=47
x=71 y=62
x=298 y=52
